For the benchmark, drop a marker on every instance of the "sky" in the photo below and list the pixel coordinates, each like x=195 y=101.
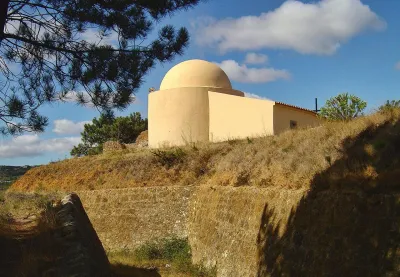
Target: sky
x=288 y=51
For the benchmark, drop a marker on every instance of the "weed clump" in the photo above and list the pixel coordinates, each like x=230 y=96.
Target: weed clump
x=169 y=158
x=174 y=251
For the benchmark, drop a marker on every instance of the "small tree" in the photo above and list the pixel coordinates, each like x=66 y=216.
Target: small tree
x=343 y=107
x=389 y=106
x=107 y=127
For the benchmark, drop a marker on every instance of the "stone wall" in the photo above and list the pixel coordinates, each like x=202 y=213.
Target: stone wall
x=224 y=224
x=83 y=254
x=333 y=233
x=249 y=231
x=111 y=146
x=126 y=218
x=275 y=232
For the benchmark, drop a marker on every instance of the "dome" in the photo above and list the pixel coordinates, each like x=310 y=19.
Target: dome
x=195 y=73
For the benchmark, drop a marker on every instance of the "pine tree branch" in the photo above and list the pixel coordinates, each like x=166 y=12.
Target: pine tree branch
x=21 y=128
x=44 y=39
x=23 y=18
x=61 y=49
x=3 y=16
x=17 y=10
x=39 y=5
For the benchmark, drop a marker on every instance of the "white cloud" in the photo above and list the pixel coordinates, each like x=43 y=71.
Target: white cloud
x=243 y=74
x=65 y=126
x=254 y=58
x=397 y=66
x=32 y=145
x=256 y=96
x=72 y=96
x=12 y=26
x=309 y=28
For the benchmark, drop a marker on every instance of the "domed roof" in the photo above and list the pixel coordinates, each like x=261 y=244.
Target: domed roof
x=195 y=73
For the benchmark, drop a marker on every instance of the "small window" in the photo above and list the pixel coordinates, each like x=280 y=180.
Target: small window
x=293 y=124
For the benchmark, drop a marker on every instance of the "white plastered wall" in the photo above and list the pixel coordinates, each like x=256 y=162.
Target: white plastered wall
x=234 y=117
x=284 y=114
x=178 y=116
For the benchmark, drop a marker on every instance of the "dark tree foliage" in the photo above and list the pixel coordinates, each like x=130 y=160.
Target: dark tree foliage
x=107 y=127
x=44 y=40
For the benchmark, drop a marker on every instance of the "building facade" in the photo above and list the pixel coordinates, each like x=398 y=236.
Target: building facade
x=196 y=102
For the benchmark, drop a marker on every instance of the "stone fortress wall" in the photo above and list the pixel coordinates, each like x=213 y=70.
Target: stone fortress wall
x=249 y=231
x=127 y=218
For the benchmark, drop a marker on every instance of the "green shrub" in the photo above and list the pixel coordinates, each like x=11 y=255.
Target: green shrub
x=343 y=107
x=175 y=251
x=389 y=106
x=148 y=251
x=124 y=129
x=165 y=249
x=170 y=157
x=175 y=248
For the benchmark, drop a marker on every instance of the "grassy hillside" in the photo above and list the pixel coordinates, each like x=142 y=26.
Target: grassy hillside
x=367 y=147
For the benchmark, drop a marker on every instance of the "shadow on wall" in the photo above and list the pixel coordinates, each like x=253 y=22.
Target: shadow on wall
x=349 y=222
x=60 y=241
x=39 y=255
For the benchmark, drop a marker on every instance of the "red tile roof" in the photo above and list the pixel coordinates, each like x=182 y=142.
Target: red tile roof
x=295 y=107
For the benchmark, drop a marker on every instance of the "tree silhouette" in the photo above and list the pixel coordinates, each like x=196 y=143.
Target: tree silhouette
x=124 y=129
x=48 y=52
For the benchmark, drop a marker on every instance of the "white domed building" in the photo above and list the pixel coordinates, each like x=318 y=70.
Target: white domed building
x=196 y=102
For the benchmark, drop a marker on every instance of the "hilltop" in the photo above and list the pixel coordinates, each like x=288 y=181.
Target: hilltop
x=366 y=149
x=300 y=203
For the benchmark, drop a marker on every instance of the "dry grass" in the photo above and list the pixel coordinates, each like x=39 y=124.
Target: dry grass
x=290 y=160
x=125 y=264
x=22 y=206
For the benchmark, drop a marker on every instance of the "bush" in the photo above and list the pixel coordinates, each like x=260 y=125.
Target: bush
x=148 y=251
x=175 y=251
x=175 y=248
x=164 y=249
x=389 y=106
x=343 y=107
x=169 y=158
x=109 y=128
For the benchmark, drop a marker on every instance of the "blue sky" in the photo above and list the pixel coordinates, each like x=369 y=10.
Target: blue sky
x=287 y=51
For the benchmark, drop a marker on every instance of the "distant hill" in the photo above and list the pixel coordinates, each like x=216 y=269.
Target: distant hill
x=9 y=174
